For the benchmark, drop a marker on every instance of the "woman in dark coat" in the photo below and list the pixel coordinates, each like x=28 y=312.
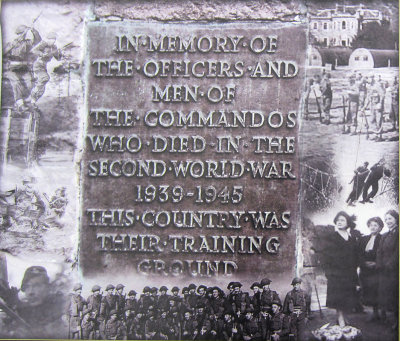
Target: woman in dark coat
x=339 y=259
x=368 y=274
x=387 y=264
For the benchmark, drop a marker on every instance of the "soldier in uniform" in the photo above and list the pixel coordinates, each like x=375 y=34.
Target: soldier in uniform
x=352 y=109
x=88 y=327
x=174 y=320
x=108 y=303
x=75 y=311
x=129 y=322
x=279 y=324
x=40 y=307
x=239 y=300
x=163 y=299
x=326 y=91
x=192 y=297
x=29 y=205
x=139 y=326
x=230 y=330
x=45 y=51
x=146 y=301
x=120 y=300
x=188 y=326
x=59 y=202
x=394 y=105
x=217 y=303
x=151 y=327
x=255 y=300
x=131 y=302
x=115 y=329
x=164 y=325
x=93 y=307
x=202 y=297
x=251 y=327
x=297 y=306
x=18 y=63
x=268 y=295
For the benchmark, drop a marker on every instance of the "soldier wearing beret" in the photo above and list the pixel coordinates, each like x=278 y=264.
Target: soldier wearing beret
x=152 y=330
x=230 y=330
x=188 y=326
x=239 y=300
x=255 y=300
x=139 y=325
x=75 y=310
x=114 y=328
x=164 y=325
x=297 y=306
x=279 y=324
x=251 y=326
x=268 y=295
x=130 y=322
x=174 y=319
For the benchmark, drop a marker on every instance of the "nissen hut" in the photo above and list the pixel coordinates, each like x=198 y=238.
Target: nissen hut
x=336 y=56
x=366 y=58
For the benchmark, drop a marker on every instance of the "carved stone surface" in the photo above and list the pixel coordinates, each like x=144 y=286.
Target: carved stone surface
x=217 y=99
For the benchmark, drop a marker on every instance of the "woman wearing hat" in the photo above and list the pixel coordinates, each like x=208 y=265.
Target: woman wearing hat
x=339 y=259
x=368 y=276
x=387 y=265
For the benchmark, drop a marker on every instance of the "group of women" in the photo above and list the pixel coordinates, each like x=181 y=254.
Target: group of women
x=354 y=263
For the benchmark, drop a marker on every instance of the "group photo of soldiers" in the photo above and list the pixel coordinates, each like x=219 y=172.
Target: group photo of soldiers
x=365 y=104
x=190 y=313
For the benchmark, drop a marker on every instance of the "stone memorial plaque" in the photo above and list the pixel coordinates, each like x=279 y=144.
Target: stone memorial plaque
x=190 y=161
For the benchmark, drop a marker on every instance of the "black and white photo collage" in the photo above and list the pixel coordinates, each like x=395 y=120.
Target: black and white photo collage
x=350 y=177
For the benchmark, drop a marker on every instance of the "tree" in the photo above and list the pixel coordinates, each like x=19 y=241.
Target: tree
x=376 y=36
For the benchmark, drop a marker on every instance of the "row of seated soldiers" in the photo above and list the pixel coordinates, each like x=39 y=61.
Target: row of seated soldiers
x=200 y=313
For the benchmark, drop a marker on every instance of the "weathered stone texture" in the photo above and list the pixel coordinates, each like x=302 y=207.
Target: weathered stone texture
x=208 y=10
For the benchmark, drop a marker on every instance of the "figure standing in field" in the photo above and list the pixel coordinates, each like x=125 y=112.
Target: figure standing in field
x=45 y=51
x=394 y=110
x=352 y=108
x=326 y=91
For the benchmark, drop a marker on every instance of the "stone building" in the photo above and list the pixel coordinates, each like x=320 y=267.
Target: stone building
x=338 y=26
